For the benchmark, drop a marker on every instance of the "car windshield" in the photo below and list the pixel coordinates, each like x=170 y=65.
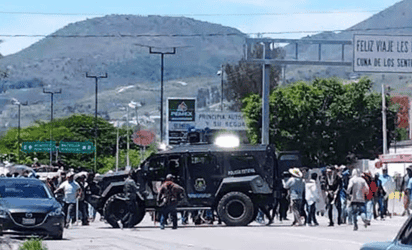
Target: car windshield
x=23 y=190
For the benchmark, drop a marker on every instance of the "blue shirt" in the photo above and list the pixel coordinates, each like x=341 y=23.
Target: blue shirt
x=409 y=186
x=296 y=187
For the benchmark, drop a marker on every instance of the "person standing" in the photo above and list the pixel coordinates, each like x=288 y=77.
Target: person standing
x=333 y=183
x=80 y=179
x=357 y=189
x=168 y=197
x=71 y=191
x=367 y=176
x=387 y=183
x=345 y=175
x=130 y=190
x=296 y=188
x=312 y=196
x=404 y=186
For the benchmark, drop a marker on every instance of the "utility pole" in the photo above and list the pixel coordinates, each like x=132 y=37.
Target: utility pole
x=385 y=151
x=265 y=95
x=221 y=87
x=51 y=119
x=161 y=85
x=117 y=145
x=95 y=118
x=18 y=130
x=127 y=133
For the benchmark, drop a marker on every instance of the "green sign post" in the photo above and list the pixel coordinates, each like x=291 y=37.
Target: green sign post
x=39 y=146
x=76 y=147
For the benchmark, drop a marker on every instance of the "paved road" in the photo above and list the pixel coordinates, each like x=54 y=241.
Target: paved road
x=255 y=236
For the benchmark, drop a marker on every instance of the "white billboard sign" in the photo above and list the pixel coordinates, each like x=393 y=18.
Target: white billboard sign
x=379 y=53
x=220 y=120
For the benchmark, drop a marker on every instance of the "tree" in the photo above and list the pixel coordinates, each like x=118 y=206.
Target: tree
x=245 y=78
x=326 y=120
x=74 y=128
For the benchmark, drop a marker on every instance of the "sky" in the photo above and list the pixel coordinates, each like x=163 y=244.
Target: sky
x=20 y=20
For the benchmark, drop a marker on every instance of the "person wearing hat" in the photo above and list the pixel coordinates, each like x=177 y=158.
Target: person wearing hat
x=406 y=191
x=71 y=191
x=296 y=188
x=168 y=197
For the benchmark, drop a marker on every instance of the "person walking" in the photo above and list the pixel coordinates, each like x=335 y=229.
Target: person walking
x=406 y=193
x=80 y=179
x=388 y=186
x=357 y=189
x=71 y=191
x=345 y=175
x=130 y=190
x=333 y=183
x=312 y=196
x=296 y=188
x=378 y=198
x=168 y=197
x=367 y=176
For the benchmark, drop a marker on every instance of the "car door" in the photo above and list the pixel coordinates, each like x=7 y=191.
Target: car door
x=204 y=176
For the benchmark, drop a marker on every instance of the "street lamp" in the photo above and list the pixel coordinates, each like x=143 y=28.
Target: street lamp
x=95 y=117
x=16 y=102
x=161 y=85
x=51 y=119
x=220 y=73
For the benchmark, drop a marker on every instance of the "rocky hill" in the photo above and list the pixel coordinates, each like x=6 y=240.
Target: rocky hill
x=118 y=45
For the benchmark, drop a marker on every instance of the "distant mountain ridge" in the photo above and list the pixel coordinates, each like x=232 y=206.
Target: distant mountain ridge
x=118 y=45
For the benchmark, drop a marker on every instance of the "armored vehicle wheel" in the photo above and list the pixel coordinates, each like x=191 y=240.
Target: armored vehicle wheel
x=115 y=209
x=236 y=209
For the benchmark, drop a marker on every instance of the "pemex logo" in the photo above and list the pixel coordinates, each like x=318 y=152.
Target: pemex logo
x=180 y=111
x=182 y=107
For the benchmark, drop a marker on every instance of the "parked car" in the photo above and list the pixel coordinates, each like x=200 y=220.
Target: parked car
x=402 y=241
x=27 y=206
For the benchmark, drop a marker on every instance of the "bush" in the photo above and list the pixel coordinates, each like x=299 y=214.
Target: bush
x=33 y=244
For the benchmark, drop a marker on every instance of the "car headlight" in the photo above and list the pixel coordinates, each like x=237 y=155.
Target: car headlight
x=3 y=212
x=56 y=212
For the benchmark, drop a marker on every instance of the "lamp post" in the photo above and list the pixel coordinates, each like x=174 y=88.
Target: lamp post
x=18 y=129
x=51 y=119
x=220 y=73
x=161 y=85
x=95 y=117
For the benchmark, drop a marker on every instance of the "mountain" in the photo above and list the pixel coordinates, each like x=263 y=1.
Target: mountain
x=119 y=46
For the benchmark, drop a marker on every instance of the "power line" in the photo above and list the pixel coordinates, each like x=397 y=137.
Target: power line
x=201 y=34
x=195 y=14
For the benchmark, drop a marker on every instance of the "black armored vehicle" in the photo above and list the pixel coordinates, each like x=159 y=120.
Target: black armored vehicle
x=233 y=182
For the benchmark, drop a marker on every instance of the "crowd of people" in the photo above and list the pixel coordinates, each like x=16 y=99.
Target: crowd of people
x=348 y=192
x=306 y=193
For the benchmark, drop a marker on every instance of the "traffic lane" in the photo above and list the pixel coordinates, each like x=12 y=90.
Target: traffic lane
x=281 y=236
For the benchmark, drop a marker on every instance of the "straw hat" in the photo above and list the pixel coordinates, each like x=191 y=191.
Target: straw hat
x=295 y=172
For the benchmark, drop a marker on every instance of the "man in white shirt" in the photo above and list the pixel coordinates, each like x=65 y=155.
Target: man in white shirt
x=71 y=191
x=312 y=196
